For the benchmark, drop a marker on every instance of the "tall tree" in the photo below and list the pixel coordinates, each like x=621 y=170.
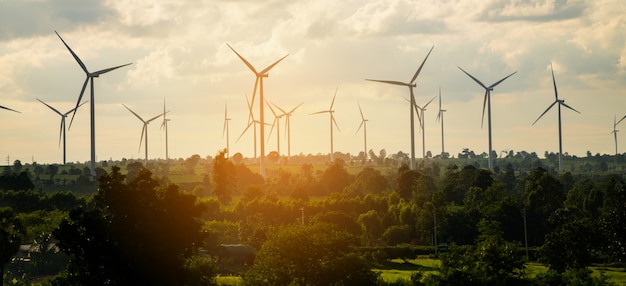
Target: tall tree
x=224 y=180
x=11 y=234
x=135 y=233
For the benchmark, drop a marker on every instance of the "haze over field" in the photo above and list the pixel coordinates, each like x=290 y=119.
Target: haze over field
x=179 y=53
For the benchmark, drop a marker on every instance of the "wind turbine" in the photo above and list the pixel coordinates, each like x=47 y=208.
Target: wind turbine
x=364 y=125
x=422 y=122
x=251 y=123
x=276 y=123
x=330 y=111
x=144 y=130
x=62 y=131
x=440 y=117
x=487 y=101
x=164 y=126
x=89 y=78
x=411 y=84
x=225 y=130
x=615 y=122
x=560 y=102
x=259 y=80
x=288 y=125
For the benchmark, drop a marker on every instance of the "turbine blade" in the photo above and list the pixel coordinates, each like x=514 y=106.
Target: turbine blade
x=281 y=110
x=271 y=129
x=621 y=120
x=153 y=118
x=75 y=108
x=475 y=79
x=110 y=69
x=256 y=83
x=9 y=109
x=244 y=131
x=320 y=112
x=359 y=129
x=361 y=111
x=484 y=104
x=545 y=112
x=431 y=100
x=416 y=108
x=556 y=93
x=564 y=104
x=53 y=109
x=421 y=66
x=271 y=108
x=390 y=82
x=268 y=68
x=333 y=102
x=498 y=82
x=244 y=60
x=80 y=97
x=294 y=109
x=143 y=129
x=80 y=63
x=250 y=113
x=333 y=119
x=61 y=130
x=134 y=113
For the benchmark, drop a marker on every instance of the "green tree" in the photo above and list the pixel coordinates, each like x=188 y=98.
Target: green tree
x=224 y=180
x=135 y=233
x=11 y=234
x=309 y=255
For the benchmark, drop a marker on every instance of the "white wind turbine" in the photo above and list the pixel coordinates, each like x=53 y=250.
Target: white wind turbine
x=62 y=131
x=411 y=84
x=330 y=111
x=487 y=102
x=225 y=130
x=288 y=126
x=164 y=126
x=144 y=130
x=259 y=80
x=89 y=79
x=559 y=102
x=422 y=122
x=364 y=125
x=615 y=122
x=440 y=117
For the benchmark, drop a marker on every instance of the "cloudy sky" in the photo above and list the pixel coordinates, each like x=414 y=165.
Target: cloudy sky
x=180 y=55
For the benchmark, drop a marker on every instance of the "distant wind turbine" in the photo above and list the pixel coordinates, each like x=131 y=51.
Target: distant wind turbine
x=288 y=126
x=411 y=84
x=62 y=131
x=440 y=117
x=89 y=78
x=559 y=102
x=364 y=125
x=615 y=122
x=259 y=80
x=330 y=111
x=252 y=122
x=225 y=130
x=487 y=102
x=422 y=123
x=144 y=130
x=164 y=126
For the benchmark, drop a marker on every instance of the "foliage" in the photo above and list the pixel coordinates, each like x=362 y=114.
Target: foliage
x=223 y=177
x=11 y=234
x=135 y=233
x=309 y=255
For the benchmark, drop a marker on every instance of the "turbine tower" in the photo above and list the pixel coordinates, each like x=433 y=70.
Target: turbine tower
x=144 y=130
x=364 y=125
x=330 y=111
x=559 y=102
x=62 y=131
x=487 y=101
x=259 y=81
x=440 y=117
x=89 y=79
x=411 y=84
x=164 y=126
x=288 y=126
x=422 y=122
x=225 y=130
x=615 y=122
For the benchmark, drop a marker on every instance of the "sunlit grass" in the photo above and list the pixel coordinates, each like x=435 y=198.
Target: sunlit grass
x=398 y=269
x=229 y=280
